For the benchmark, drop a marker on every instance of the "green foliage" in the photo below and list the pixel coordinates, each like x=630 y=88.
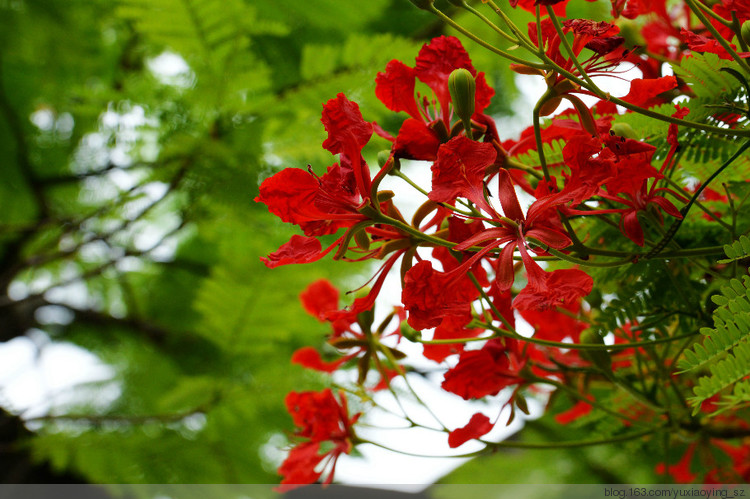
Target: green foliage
x=702 y=72
x=552 y=154
x=724 y=351
x=127 y=203
x=738 y=250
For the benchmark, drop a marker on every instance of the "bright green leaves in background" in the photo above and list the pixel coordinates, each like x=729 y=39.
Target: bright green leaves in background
x=132 y=137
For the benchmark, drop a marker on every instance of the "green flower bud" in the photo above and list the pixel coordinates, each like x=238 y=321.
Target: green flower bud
x=423 y=4
x=745 y=32
x=362 y=239
x=463 y=90
x=624 y=130
x=383 y=157
x=410 y=333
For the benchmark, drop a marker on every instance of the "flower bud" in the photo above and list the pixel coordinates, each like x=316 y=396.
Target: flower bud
x=410 y=333
x=745 y=32
x=423 y=4
x=362 y=239
x=624 y=130
x=463 y=89
x=383 y=157
x=522 y=69
x=550 y=106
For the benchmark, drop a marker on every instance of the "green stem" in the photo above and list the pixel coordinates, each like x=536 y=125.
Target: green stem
x=522 y=36
x=492 y=25
x=483 y=43
x=538 y=132
x=512 y=444
x=575 y=443
x=402 y=176
x=656 y=251
x=581 y=397
x=710 y=27
x=644 y=111
x=578 y=261
x=578 y=346
x=569 y=50
x=511 y=163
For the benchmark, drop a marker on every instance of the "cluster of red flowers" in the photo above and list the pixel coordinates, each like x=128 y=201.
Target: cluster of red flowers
x=484 y=245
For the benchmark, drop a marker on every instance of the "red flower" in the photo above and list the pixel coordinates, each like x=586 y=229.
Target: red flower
x=484 y=372
x=551 y=289
x=319 y=417
x=681 y=470
x=298 y=249
x=478 y=425
x=460 y=170
x=544 y=290
x=323 y=205
x=431 y=296
x=429 y=122
x=320 y=299
x=645 y=93
x=553 y=325
x=350 y=332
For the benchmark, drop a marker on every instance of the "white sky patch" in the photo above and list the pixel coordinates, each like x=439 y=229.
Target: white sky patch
x=36 y=375
x=171 y=69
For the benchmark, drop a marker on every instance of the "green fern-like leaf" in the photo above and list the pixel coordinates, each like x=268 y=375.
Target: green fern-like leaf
x=215 y=38
x=738 y=250
x=725 y=349
x=702 y=73
x=552 y=154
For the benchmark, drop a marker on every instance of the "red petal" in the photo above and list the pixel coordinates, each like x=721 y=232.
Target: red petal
x=320 y=298
x=435 y=63
x=416 y=140
x=299 y=249
x=299 y=467
x=459 y=171
x=505 y=273
x=479 y=373
x=559 y=288
x=667 y=206
x=431 y=296
x=484 y=94
x=644 y=92
x=288 y=194
x=310 y=358
x=580 y=409
x=395 y=88
x=631 y=227
x=319 y=415
x=552 y=238
x=508 y=198
x=344 y=124
x=478 y=425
